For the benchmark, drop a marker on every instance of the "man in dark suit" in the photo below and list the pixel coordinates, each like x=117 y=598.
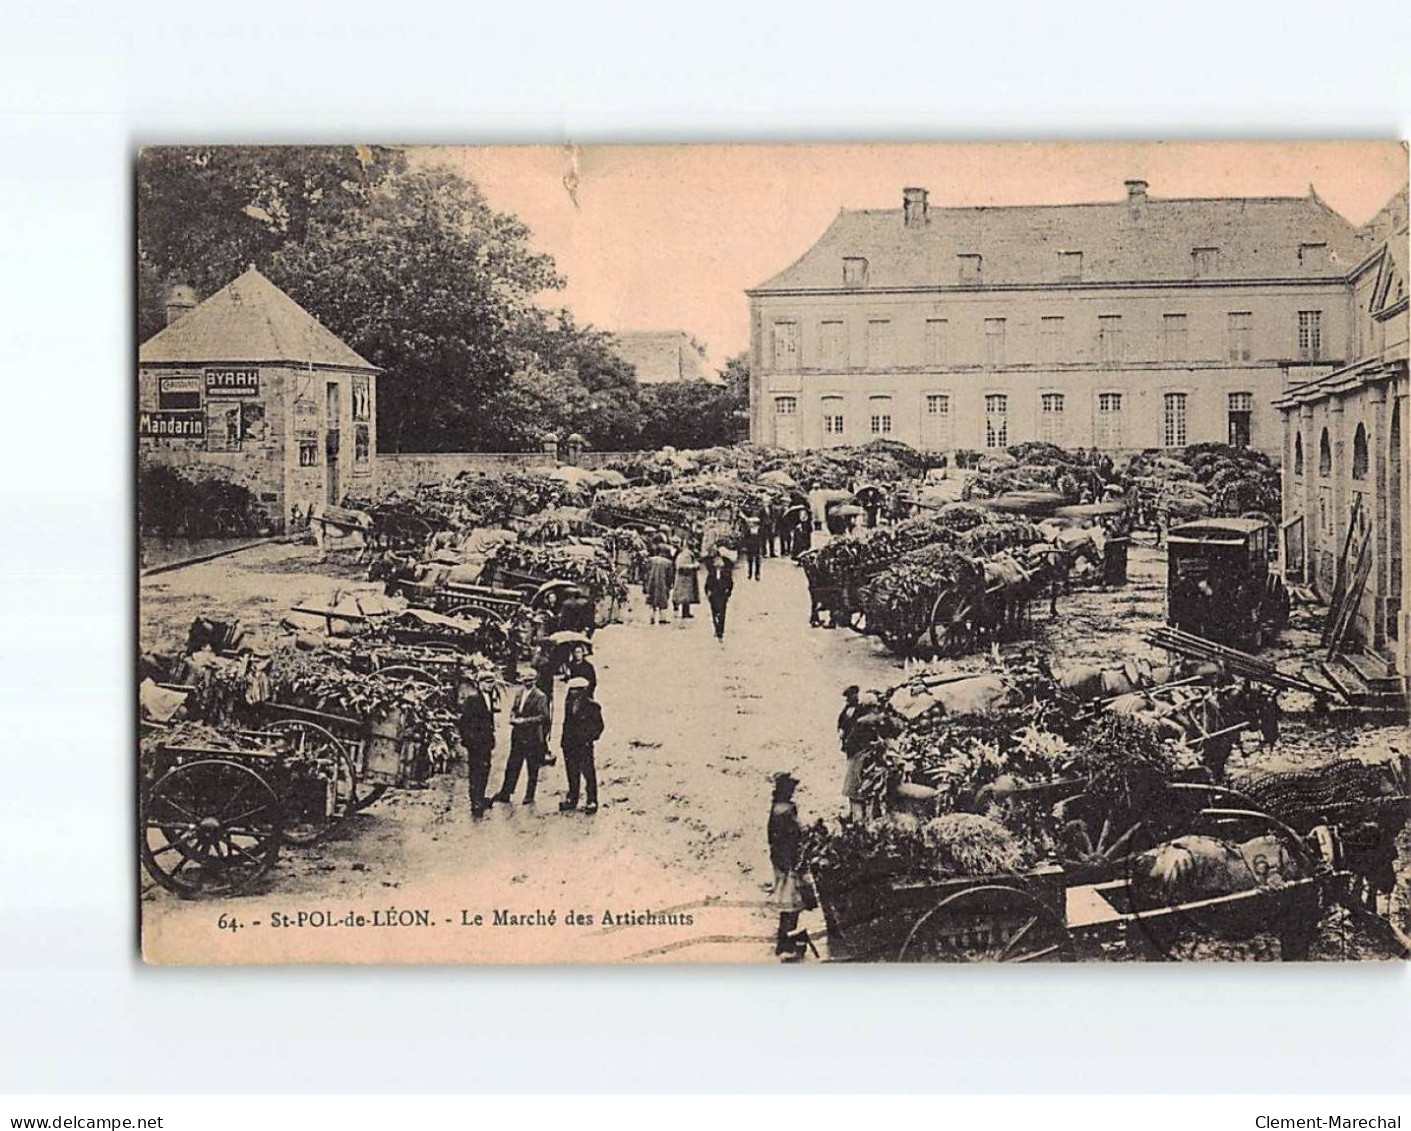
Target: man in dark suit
x=529 y=740
x=477 y=730
x=582 y=727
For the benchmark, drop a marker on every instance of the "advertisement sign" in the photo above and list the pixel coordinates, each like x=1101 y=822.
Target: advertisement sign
x=178 y=393
x=232 y=382
x=172 y=425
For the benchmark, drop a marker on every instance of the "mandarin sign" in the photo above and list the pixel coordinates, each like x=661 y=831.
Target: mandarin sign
x=232 y=382
x=172 y=425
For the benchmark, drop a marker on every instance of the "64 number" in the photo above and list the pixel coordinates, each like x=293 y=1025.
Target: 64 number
x=228 y=923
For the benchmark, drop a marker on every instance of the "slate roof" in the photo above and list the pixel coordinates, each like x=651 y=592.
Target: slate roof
x=1258 y=238
x=249 y=320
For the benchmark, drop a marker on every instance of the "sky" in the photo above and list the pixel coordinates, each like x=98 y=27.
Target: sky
x=669 y=236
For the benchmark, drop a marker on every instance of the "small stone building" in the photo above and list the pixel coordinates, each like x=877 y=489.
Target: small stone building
x=250 y=387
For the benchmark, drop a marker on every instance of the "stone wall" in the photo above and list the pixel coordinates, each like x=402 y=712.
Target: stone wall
x=406 y=469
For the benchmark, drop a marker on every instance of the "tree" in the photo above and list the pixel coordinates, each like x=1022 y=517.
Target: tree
x=436 y=287
x=205 y=213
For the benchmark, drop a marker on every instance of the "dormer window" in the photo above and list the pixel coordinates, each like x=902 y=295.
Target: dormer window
x=1313 y=256
x=971 y=267
x=1204 y=261
x=854 y=271
x=1070 y=266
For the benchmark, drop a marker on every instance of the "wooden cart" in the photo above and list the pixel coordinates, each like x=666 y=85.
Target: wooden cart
x=1045 y=915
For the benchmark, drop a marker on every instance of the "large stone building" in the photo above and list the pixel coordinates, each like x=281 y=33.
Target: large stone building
x=250 y=387
x=661 y=355
x=1141 y=322
x=1345 y=454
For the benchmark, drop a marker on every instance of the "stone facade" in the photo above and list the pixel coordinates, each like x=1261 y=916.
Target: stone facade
x=1345 y=454
x=976 y=328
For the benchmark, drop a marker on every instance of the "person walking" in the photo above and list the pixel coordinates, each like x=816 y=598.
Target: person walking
x=582 y=727
x=719 y=585
x=785 y=835
x=687 y=590
x=769 y=526
x=661 y=575
x=529 y=726
x=753 y=539
x=476 y=724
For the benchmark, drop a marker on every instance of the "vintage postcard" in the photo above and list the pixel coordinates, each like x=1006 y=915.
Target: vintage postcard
x=772 y=554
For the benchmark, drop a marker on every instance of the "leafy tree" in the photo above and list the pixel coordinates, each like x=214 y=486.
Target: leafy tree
x=436 y=287
x=205 y=213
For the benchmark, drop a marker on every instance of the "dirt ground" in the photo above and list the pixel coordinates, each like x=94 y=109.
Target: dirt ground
x=694 y=731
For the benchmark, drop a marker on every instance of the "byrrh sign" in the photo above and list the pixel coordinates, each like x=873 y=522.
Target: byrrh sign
x=232 y=382
x=179 y=425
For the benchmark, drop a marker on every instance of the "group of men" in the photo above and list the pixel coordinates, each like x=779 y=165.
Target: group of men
x=531 y=722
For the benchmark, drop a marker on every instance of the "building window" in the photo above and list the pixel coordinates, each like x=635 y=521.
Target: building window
x=1237 y=334
x=1173 y=337
x=833 y=343
x=1051 y=418
x=971 y=268
x=936 y=331
x=1109 y=420
x=832 y=416
x=362 y=398
x=1298 y=453
x=1359 y=453
x=1310 y=335
x=1205 y=261
x=994 y=341
x=786 y=345
x=1325 y=455
x=881 y=413
x=1313 y=256
x=362 y=444
x=786 y=406
x=996 y=420
x=937 y=404
x=1070 y=266
x=879 y=343
x=854 y=271
x=1241 y=417
x=1052 y=332
x=1109 y=337
x=1175 y=433
x=308 y=449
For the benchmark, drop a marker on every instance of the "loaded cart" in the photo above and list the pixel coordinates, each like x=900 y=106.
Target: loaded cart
x=1272 y=881
x=213 y=817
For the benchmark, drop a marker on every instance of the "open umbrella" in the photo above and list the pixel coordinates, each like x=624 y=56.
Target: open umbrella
x=847 y=510
x=778 y=478
x=564 y=638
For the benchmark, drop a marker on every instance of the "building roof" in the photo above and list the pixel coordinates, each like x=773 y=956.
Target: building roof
x=1142 y=239
x=252 y=321
x=661 y=355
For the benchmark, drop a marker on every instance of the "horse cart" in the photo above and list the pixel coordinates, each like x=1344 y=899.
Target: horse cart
x=1277 y=884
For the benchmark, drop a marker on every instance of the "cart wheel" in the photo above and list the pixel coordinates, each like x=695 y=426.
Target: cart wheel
x=988 y=923
x=210 y=827
x=1094 y=847
x=316 y=757
x=482 y=611
x=951 y=619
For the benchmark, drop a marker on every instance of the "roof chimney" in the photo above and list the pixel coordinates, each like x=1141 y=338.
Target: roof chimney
x=914 y=207
x=180 y=299
x=1136 y=196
